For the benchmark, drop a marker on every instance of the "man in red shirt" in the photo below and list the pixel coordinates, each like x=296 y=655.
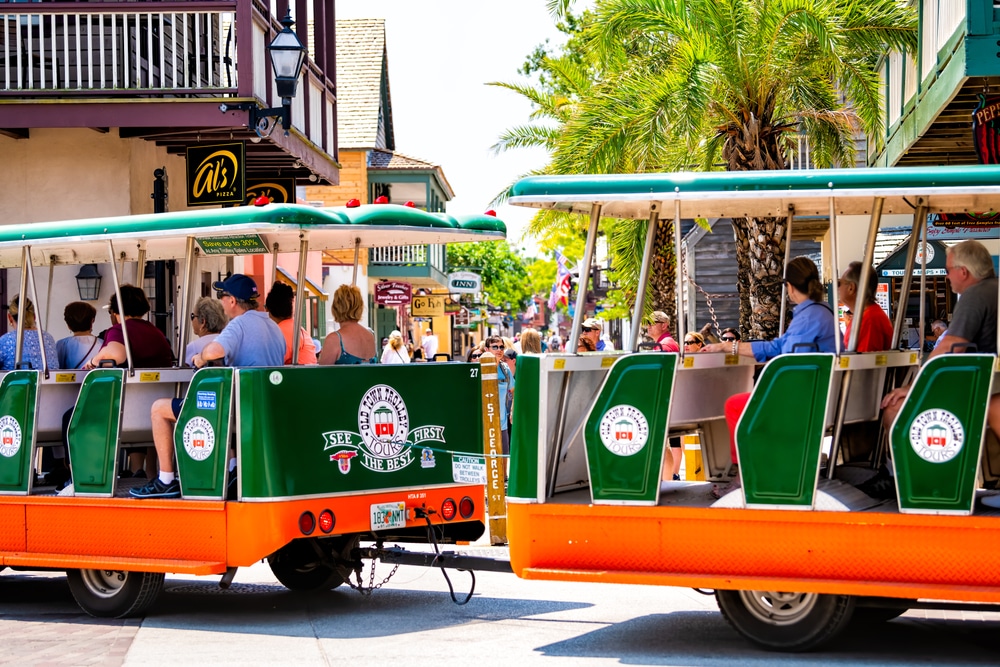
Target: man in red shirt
x=875 y=334
x=659 y=331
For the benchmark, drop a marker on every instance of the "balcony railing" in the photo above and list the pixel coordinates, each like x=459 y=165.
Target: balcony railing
x=409 y=255
x=155 y=50
x=86 y=48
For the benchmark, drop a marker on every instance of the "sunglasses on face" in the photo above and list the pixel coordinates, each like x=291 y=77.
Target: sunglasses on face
x=496 y=347
x=691 y=342
x=193 y=316
x=729 y=339
x=588 y=329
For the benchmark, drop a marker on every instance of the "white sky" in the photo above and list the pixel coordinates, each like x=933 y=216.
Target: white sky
x=441 y=54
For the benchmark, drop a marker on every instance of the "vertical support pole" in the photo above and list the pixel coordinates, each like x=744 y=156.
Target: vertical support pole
x=39 y=325
x=190 y=268
x=22 y=290
x=274 y=263
x=836 y=266
x=300 y=289
x=121 y=307
x=679 y=287
x=357 y=257
x=639 y=309
x=496 y=496
x=584 y=283
x=919 y=218
x=923 y=288
x=784 y=271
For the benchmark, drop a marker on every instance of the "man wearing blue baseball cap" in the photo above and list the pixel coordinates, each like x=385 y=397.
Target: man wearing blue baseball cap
x=250 y=339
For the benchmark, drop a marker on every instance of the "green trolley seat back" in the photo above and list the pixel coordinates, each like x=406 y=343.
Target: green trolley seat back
x=526 y=422
x=626 y=431
x=94 y=431
x=201 y=438
x=18 y=411
x=779 y=438
x=937 y=437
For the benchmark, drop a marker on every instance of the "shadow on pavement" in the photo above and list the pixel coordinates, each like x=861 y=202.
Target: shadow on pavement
x=705 y=638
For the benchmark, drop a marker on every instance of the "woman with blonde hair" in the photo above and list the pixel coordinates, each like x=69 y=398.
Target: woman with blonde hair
x=31 y=351
x=531 y=342
x=353 y=343
x=394 y=351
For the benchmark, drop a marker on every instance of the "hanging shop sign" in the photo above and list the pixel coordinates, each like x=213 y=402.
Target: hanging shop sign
x=277 y=190
x=986 y=129
x=427 y=306
x=216 y=174
x=464 y=282
x=393 y=293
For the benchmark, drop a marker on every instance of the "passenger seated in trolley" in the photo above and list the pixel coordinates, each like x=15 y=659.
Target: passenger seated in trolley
x=31 y=356
x=280 y=305
x=250 y=339
x=353 y=343
x=813 y=329
x=875 y=334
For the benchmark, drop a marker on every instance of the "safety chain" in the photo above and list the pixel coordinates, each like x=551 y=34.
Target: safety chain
x=708 y=297
x=372 y=587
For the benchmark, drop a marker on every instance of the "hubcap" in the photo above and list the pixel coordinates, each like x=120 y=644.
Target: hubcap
x=104 y=583
x=779 y=608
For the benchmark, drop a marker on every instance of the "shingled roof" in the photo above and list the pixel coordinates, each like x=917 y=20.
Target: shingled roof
x=362 y=73
x=381 y=159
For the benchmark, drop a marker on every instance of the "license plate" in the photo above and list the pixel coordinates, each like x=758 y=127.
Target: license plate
x=388 y=515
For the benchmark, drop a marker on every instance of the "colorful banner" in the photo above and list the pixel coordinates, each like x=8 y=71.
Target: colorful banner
x=560 y=290
x=986 y=129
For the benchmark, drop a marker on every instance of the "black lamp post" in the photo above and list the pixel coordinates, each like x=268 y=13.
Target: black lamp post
x=287 y=54
x=88 y=282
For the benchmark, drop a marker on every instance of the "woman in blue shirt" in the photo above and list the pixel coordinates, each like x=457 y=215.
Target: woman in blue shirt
x=813 y=329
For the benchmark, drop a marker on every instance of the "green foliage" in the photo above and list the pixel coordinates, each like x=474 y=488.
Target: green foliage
x=666 y=85
x=505 y=278
x=541 y=276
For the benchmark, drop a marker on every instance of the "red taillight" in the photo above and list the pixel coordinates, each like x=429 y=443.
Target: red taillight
x=466 y=507
x=307 y=523
x=353 y=203
x=448 y=509
x=327 y=521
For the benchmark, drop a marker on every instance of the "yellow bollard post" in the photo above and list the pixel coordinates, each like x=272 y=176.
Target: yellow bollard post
x=496 y=465
x=694 y=470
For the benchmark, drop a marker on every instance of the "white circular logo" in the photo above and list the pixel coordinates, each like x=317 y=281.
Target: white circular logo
x=383 y=421
x=921 y=249
x=10 y=436
x=936 y=436
x=624 y=430
x=276 y=377
x=198 y=438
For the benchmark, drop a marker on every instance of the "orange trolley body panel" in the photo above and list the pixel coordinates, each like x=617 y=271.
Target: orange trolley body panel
x=182 y=536
x=854 y=553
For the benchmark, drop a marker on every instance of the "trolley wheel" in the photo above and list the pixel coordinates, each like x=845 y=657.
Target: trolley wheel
x=114 y=593
x=881 y=614
x=782 y=621
x=303 y=565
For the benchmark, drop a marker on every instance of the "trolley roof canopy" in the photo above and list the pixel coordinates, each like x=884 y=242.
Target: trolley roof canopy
x=164 y=235
x=972 y=189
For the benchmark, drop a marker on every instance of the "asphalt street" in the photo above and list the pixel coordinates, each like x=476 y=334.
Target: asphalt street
x=412 y=621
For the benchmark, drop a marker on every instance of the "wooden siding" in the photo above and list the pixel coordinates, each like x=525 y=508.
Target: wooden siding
x=353 y=182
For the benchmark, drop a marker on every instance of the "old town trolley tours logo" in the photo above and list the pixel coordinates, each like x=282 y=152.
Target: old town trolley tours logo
x=384 y=441
x=624 y=430
x=198 y=438
x=10 y=436
x=936 y=436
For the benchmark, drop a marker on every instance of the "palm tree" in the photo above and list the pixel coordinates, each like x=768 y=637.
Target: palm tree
x=687 y=83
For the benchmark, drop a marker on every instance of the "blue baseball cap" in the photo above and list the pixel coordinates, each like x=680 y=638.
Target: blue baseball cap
x=241 y=286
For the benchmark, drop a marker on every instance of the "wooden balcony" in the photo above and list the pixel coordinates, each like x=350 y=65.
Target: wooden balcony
x=160 y=70
x=421 y=265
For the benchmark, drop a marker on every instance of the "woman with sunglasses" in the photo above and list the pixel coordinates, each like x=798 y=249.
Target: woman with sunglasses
x=207 y=322
x=693 y=342
x=505 y=380
x=813 y=328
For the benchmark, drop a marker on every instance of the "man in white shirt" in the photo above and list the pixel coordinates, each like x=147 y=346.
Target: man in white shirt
x=429 y=343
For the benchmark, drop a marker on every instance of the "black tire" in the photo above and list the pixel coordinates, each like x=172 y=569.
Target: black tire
x=114 y=593
x=780 y=621
x=888 y=609
x=307 y=565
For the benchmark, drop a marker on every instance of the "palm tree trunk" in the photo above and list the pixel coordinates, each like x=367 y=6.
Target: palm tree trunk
x=766 y=259
x=743 y=274
x=663 y=272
